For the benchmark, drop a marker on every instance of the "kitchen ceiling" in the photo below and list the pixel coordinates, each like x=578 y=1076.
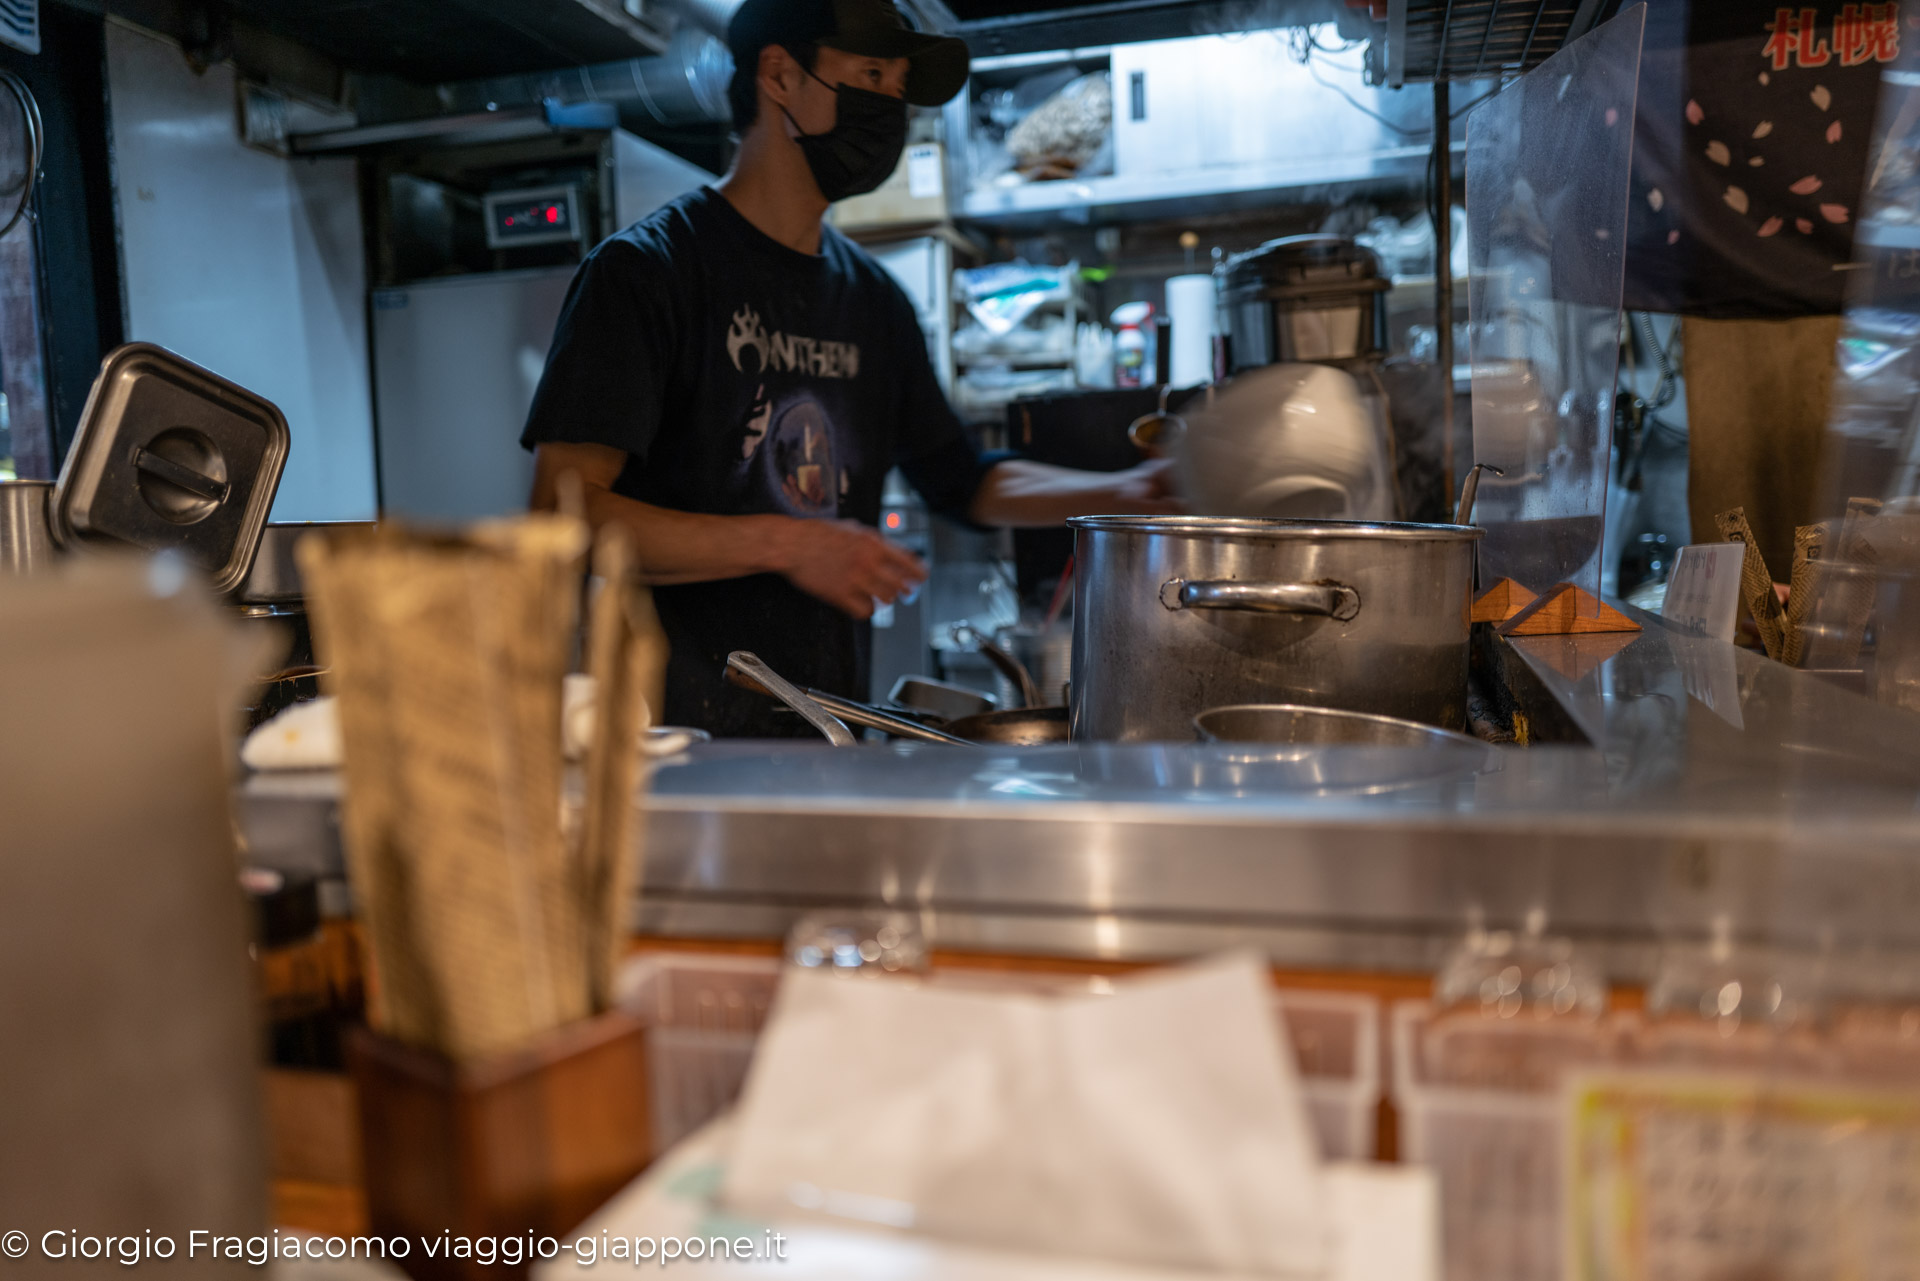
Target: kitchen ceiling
x=969 y=10
x=434 y=41
x=437 y=41
x=428 y=41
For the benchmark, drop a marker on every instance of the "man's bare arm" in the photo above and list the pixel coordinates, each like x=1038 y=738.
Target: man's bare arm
x=844 y=563
x=1025 y=494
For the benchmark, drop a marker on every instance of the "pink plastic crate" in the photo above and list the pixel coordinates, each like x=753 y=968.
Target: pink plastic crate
x=705 y=1013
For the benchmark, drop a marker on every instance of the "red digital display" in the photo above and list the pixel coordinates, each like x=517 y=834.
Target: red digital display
x=533 y=218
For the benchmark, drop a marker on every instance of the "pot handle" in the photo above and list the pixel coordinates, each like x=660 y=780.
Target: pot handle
x=1330 y=600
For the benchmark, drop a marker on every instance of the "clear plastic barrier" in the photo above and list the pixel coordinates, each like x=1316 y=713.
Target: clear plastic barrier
x=1547 y=165
x=1859 y=615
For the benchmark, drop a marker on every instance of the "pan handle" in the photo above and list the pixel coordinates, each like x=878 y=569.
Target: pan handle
x=1003 y=661
x=870 y=717
x=747 y=670
x=1328 y=600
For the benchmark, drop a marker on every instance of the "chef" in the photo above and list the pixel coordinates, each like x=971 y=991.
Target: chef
x=731 y=379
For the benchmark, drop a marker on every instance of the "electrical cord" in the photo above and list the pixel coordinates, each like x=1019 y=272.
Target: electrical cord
x=1361 y=107
x=1302 y=45
x=1667 y=385
x=1477 y=101
x=1637 y=415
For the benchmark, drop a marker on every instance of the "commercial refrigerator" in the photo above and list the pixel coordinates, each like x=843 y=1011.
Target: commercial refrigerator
x=457 y=358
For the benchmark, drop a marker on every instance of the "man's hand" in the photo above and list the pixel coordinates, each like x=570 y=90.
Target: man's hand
x=848 y=565
x=1147 y=490
x=844 y=563
x=1025 y=494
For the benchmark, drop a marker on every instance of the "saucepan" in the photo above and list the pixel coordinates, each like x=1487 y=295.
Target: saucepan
x=1294 y=724
x=1027 y=724
x=831 y=714
x=925 y=696
x=1330 y=751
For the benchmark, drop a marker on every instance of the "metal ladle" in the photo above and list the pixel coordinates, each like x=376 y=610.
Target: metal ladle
x=1156 y=433
x=1470 y=492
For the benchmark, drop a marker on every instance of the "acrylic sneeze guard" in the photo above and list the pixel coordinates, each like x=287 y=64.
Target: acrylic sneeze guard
x=1864 y=619
x=1548 y=159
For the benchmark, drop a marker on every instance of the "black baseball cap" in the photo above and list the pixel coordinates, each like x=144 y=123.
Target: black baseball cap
x=936 y=64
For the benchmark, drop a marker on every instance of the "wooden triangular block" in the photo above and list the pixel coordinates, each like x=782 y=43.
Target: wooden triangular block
x=1501 y=601
x=1567 y=610
x=1575 y=657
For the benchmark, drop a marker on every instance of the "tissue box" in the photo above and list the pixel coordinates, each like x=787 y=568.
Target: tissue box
x=531 y=1141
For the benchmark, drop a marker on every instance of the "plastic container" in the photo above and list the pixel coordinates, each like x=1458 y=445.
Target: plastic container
x=1336 y=1038
x=704 y=1014
x=1479 y=1101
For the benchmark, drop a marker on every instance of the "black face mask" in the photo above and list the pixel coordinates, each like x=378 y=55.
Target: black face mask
x=862 y=149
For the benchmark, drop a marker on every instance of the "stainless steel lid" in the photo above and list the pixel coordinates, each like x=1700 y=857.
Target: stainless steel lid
x=1276 y=528
x=170 y=455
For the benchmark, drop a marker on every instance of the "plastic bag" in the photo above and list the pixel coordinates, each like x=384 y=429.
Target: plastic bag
x=1001 y=295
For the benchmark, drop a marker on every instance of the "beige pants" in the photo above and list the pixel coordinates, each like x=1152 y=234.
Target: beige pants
x=1757 y=398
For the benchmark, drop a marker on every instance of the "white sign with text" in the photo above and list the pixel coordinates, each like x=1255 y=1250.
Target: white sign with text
x=1703 y=596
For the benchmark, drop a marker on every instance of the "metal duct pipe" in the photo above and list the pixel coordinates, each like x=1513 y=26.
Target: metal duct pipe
x=686 y=85
x=710 y=16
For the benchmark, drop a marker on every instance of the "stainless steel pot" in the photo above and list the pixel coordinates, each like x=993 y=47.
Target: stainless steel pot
x=26 y=526
x=1177 y=614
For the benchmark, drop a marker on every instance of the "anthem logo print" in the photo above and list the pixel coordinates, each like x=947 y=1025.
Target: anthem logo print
x=787 y=353
x=747 y=334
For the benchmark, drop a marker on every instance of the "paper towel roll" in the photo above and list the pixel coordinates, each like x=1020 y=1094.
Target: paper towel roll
x=1191 y=308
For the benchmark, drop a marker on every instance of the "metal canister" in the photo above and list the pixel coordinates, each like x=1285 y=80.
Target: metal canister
x=1303 y=298
x=26 y=529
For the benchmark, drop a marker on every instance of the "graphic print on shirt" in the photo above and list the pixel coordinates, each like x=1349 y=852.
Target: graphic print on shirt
x=787 y=353
x=796 y=465
x=789 y=443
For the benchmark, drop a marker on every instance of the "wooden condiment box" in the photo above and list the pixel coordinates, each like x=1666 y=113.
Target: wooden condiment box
x=531 y=1141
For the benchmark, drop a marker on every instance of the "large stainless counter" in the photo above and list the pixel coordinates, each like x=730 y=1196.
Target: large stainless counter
x=1700 y=789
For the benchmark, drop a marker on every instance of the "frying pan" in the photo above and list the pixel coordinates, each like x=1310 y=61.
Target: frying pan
x=1020 y=727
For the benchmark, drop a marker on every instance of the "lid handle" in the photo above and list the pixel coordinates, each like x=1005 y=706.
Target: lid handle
x=214 y=491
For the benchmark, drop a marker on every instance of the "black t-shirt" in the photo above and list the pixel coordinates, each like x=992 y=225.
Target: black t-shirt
x=742 y=377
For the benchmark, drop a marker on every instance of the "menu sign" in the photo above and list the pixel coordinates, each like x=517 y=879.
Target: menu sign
x=1703 y=596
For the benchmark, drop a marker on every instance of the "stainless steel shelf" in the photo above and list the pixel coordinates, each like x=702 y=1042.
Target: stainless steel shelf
x=1430 y=40
x=1201 y=191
